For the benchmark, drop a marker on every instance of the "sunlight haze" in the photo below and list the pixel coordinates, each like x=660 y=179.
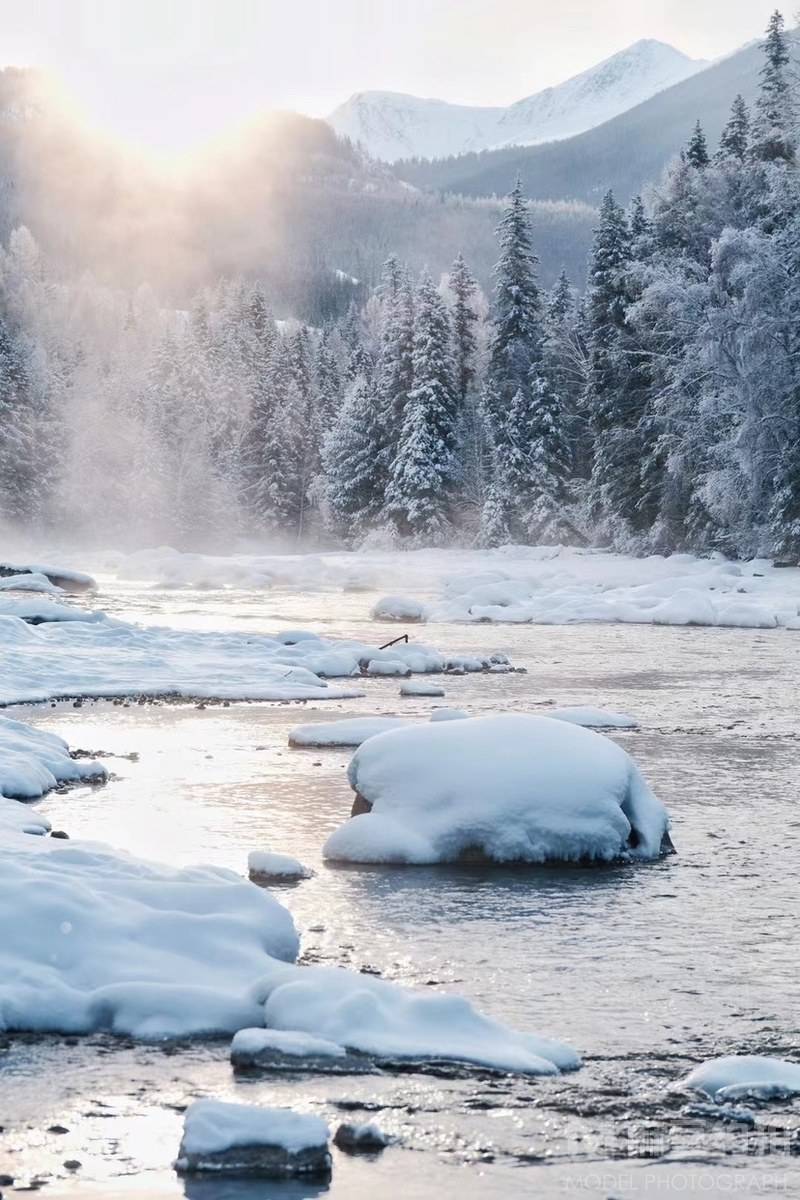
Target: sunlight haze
x=167 y=76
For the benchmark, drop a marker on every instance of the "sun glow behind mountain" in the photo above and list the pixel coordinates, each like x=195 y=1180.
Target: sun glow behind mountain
x=167 y=76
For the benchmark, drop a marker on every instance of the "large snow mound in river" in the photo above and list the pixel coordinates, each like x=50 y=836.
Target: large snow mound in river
x=379 y=1018
x=509 y=788
x=89 y=654
x=33 y=762
x=736 y=1076
x=92 y=938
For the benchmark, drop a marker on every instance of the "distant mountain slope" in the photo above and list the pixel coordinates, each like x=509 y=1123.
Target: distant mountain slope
x=391 y=125
x=626 y=153
x=285 y=201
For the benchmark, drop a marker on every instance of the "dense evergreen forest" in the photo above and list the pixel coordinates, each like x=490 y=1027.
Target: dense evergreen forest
x=654 y=406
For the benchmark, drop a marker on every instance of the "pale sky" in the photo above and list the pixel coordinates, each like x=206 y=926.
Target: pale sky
x=168 y=74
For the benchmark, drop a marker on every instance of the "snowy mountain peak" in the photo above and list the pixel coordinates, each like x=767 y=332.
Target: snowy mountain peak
x=392 y=125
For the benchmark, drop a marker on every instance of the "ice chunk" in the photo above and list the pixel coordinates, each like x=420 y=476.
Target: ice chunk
x=348 y=732
x=244 y=1139
x=593 y=718
x=421 y=688
x=509 y=788
x=738 y=1076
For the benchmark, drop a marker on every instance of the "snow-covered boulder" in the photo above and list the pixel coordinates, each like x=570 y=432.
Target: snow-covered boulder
x=387 y=666
x=264 y=866
x=244 y=1139
x=509 y=788
x=387 y=1022
x=286 y=1050
x=399 y=608
x=360 y=1139
x=743 y=1076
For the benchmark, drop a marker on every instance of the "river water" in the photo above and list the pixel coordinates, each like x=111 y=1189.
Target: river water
x=645 y=970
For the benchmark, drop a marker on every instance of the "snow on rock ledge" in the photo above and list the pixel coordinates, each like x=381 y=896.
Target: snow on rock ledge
x=378 y=1018
x=739 y=1076
x=509 y=788
x=244 y=1139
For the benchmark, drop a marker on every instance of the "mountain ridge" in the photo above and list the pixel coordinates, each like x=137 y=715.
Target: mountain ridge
x=394 y=125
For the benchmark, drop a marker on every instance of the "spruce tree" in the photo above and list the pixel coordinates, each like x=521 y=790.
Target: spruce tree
x=464 y=320
x=697 y=150
x=774 y=122
x=517 y=306
x=353 y=489
x=734 y=141
x=425 y=471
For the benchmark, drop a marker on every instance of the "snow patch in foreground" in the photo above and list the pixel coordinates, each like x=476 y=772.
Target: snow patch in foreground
x=382 y=1019
x=111 y=942
x=509 y=788
x=739 y=1076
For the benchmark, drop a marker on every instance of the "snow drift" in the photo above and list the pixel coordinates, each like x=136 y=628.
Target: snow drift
x=382 y=1019
x=509 y=788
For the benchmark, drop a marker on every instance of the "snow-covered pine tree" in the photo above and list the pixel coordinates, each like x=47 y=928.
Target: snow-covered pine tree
x=425 y=468
x=354 y=492
x=516 y=349
x=473 y=435
x=734 y=142
x=395 y=374
x=697 y=151
x=774 y=122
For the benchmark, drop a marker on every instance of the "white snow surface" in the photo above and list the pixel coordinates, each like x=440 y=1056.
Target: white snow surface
x=737 y=1076
x=511 y=787
x=297 y=1045
x=33 y=762
x=381 y=1018
x=391 y=125
x=272 y=865
x=80 y=653
x=212 y=1126
x=111 y=942
x=421 y=688
x=540 y=584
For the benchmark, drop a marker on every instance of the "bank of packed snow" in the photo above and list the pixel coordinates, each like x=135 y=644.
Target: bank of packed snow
x=32 y=763
x=741 y=1076
x=508 y=788
x=382 y=1019
x=551 y=585
x=559 y=586
x=52 y=650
